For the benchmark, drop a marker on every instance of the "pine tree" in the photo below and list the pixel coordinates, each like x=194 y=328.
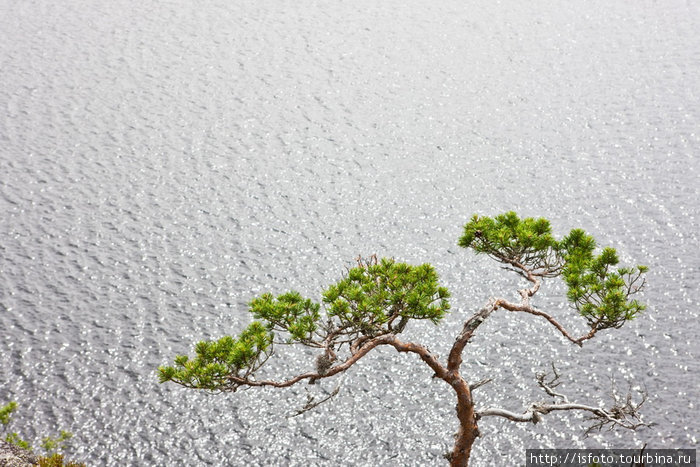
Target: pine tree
x=374 y=302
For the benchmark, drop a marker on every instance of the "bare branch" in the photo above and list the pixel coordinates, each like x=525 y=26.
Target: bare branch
x=517 y=271
x=625 y=417
x=478 y=384
x=549 y=386
x=624 y=412
x=312 y=403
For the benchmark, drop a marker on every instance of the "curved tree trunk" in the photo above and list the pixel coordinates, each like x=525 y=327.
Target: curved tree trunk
x=468 y=430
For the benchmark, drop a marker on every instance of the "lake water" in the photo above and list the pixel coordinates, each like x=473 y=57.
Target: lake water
x=161 y=163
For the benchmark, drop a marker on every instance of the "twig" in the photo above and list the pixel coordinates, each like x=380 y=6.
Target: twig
x=312 y=403
x=478 y=384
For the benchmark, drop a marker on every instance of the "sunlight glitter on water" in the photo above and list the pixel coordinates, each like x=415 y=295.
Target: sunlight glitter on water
x=162 y=164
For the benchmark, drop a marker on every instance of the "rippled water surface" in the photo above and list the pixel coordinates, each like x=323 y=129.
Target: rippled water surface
x=161 y=163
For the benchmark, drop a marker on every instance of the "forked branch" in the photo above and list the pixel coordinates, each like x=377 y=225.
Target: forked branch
x=312 y=402
x=236 y=382
x=624 y=413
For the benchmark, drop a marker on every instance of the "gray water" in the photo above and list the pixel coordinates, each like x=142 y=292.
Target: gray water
x=161 y=163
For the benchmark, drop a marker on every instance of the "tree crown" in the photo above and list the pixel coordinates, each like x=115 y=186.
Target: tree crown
x=372 y=304
x=600 y=293
x=376 y=297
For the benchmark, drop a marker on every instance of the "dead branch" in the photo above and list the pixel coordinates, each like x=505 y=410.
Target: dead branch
x=623 y=413
x=312 y=403
x=478 y=384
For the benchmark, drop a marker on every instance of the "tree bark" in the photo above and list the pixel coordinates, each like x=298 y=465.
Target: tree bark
x=468 y=429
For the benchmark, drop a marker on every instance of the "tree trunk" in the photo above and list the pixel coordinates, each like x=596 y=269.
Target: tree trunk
x=468 y=429
x=463 y=445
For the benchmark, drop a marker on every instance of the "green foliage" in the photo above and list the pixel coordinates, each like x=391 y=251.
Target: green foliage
x=217 y=360
x=509 y=239
x=51 y=445
x=13 y=438
x=289 y=312
x=374 y=298
x=379 y=297
x=6 y=412
x=57 y=460
x=5 y=419
x=598 y=292
x=373 y=295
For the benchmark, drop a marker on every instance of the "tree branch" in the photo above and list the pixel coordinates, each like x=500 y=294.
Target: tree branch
x=454 y=360
x=526 y=308
x=478 y=384
x=602 y=417
x=426 y=355
x=312 y=403
x=526 y=294
x=359 y=351
x=624 y=413
x=370 y=344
